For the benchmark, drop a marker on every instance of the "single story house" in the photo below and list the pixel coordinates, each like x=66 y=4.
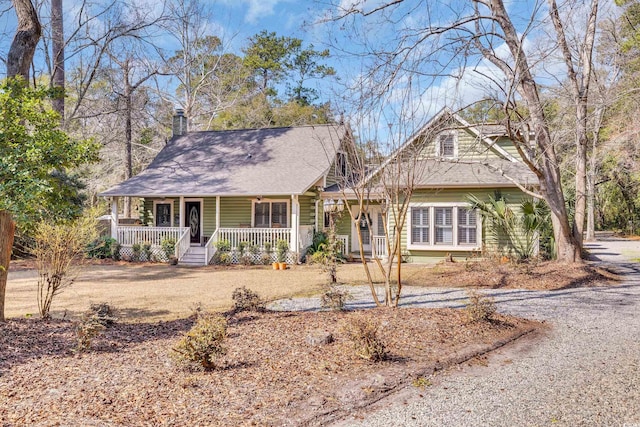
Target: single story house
x=265 y=185
x=256 y=185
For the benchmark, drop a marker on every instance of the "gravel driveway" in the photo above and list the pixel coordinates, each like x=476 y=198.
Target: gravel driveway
x=585 y=371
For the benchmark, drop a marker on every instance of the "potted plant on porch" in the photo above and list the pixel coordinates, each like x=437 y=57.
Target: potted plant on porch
x=282 y=248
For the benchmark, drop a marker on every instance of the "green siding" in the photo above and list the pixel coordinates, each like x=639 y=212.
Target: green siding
x=470 y=147
x=209 y=216
x=507 y=145
x=234 y=211
x=307 y=210
x=490 y=243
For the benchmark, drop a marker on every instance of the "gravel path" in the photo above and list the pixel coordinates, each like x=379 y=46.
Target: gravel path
x=584 y=372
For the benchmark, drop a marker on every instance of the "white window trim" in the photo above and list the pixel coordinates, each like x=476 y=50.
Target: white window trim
x=253 y=211
x=455 y=144
x=155 y=212
x=432 y=246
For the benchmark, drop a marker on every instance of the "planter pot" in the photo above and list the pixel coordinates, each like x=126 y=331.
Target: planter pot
x=282 y=265
x=275 y=265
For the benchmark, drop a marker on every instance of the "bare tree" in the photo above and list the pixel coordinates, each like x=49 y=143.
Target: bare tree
x=208 y=78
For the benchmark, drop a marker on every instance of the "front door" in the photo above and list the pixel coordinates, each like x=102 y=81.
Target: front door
x=192 y=220
x=369 y=227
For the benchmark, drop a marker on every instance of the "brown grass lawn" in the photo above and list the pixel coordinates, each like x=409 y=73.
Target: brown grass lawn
x=153 y=292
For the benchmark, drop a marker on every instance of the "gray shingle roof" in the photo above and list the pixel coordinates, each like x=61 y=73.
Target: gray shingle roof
x=438 y=173
x=240 y=162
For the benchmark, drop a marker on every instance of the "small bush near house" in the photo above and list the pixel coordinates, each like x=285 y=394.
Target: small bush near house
x=136 y=250
x=145 y=252
x=334 y=299
x=244 y=299
x=115 y=251
x=203 y=345
x=479 y=308
x=223 y=255
x=101 y=248
x=363 y=331
x=168 y=247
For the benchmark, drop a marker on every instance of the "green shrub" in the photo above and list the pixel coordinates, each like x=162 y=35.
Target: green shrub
x=282 y=248
x=202 y=346
x=363 y=331
x=479 y=308
x=101 y=248
x=115 y=251
x=223 y=246
x=146 y=252
x=168 y=247
x=222 y=258
x=136 y=248
x=244 y=299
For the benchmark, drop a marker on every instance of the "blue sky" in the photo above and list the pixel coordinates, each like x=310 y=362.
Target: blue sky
x=237 y=20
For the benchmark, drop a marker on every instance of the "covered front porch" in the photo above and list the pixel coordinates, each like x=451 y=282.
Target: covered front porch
x=200 y=226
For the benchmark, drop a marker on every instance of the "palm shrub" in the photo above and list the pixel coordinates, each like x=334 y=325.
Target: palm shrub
x=521 y=229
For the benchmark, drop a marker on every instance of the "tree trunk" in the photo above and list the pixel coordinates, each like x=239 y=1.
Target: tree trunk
x=25 y=40
x=128 y=137
x=567 y=248
x=7 y=230
x=57 y=76
x=581 y=170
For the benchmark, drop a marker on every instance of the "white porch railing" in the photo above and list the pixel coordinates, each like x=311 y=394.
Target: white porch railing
x=344 y=243
x=210 y=248
x=256 y=236
x=128 y=236
x=183 y=244
x=379 y=248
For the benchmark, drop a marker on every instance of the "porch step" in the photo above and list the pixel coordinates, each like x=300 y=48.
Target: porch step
x=194 y=256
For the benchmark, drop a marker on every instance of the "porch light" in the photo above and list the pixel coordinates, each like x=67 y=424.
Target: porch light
x=331 y=205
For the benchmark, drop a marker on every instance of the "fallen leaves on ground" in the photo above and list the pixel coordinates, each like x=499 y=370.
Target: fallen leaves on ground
x=543 y=275
x=269 y=376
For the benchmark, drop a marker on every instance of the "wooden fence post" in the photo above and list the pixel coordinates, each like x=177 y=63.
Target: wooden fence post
x=7 y=230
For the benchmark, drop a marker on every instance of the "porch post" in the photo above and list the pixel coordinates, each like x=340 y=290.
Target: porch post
x=114 y=217
x=295 y=223
x=181 y=210
x=217 y=213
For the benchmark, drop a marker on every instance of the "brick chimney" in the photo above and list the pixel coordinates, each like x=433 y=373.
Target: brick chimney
x=179 y=125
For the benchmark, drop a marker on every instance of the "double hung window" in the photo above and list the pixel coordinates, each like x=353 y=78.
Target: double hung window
x=270 y=214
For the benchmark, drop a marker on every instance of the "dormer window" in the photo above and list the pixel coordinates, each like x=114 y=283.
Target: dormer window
x=447 y=145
